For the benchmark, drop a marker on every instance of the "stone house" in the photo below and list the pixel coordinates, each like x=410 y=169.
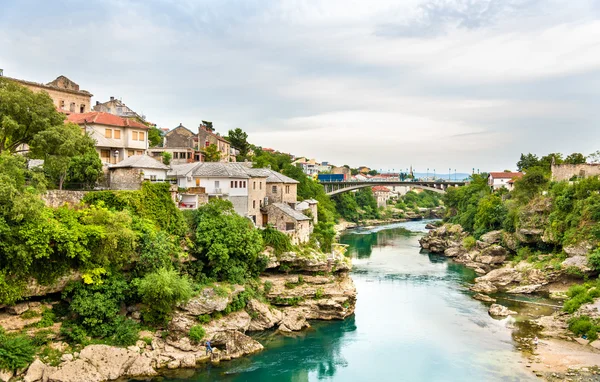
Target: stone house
x=117 y=138
x=257 y=192
x=497 y=180
x=289 y=221
x=132 y=171
x=65 y=94
x=281 y=188
x=562 y=172
x=182 y=143
x=309 y=205
x=118 y=107
x=382 y=194
x=207 y=137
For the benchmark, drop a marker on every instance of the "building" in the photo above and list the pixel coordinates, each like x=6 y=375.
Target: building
x=129 y=173
x=289 y=221
x=324 y=167
x=207 y=137
x=181 y=143
x=363 y=170
x=117 y=138
x=309 y=208
x=117 y=107
x=65 y=94
x=281 y=188
x=382 y=194
x=562 y=172
x=309 y=167
x=342 y=170
x=497 y=180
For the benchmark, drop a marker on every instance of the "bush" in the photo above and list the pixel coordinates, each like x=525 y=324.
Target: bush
x=197 y=333
x=204 y=318
x=47 y=320
x=267 y=286
x=469 y=242
x=278 y=240
x=16 y=351
x=161 y=291
x=578 y=295
x=594 y=259
x=126 y=332
x=584 y=325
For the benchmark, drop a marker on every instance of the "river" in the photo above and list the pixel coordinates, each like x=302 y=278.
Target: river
x=415 y=321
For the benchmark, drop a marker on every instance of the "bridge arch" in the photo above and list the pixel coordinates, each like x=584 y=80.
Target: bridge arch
x=335 y=188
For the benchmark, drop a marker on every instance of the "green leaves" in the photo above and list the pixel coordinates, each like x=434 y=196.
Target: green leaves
x=16 y=351
x=161 y=291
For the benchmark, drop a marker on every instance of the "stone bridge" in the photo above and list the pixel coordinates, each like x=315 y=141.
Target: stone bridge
x=334 y=188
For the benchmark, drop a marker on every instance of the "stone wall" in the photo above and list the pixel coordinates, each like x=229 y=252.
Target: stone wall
x=125 y=179
x=256 y=195
x=67 y=96
x=567 y=171
x=283 y=193
x=58 y=198
x=301 y=230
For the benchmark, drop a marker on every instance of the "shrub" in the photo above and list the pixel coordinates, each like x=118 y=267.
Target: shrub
x=267 y=286
x=578 y=295
x=126 y=332
x=161 y=291
x=197 y=333
x=30 y=314
x=47 y=320
x=204 y=318
x=319 y=293
x=278 y=240
x=469 y=242
x=584 y=325
x=16 y=351
x=594 y=259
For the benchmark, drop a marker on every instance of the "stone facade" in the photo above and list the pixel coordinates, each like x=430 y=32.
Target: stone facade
x=117 y=107
x=282 y=193
x=297 y=228
x=65 y=94
x=58 y=198
x=126 y=178
x=181 y=143
x=257 y=190
x=206 y=137
x=567 y=171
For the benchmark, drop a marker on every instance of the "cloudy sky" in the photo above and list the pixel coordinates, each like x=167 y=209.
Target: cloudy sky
x=429 y=83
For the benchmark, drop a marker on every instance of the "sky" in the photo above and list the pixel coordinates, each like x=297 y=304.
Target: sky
x=435 y=84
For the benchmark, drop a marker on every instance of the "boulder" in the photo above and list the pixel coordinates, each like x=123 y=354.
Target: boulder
x=35 y=372
x=579 y=249
x=111 y=362
x=484 y=298
x=6 y=375
x=500 y=310
x=76 y=371
x=18 y=309
x=430 y=226
x=530 y=235
x=236 y=321
x=493 y=254
x=181 y=322
x=209 y=301
x=235 y=344
x=578 y=261
x=294 y=319
x=510 y=241
x=141 y=367
x=525 y=289
x=502 y=276
x=453 y=251
x=484 y=287
x=492 y=237
x=263 y=316
x=66 y=357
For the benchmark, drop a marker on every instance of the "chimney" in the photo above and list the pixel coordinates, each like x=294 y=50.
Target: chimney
x=112 y=98
x=97 y=102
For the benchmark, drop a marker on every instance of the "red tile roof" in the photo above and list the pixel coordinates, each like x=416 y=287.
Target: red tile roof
x=506 y=175
x=107 y=119
x=380 y=189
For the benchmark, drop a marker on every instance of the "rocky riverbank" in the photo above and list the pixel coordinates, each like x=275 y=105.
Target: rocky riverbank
x=316 y=287
x=493 y=257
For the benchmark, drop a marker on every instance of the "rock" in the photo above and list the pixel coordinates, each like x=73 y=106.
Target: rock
x=35 y=372
x=579 y=249
x=315 y=261
x=484 y=287
x=510 y=241
x=136 y=315
x=66 y=357
x=181 y=322
x=134 y=349
x=293 y=320
x=453 y=251
x=141 y=367
x=501 y=276
x=174 y=364
x=494 y=254
x=530 y=235
x=111 y=362
x=492 y=237
x=236 y=344
x=500 y=311
x=263 y=316
x=578 y=261
x=76 y=371
x=188 y=361
x=236 y=321
x=484 y=298
x=525 y=289
x=430 y=226
x=6 y=375
x=208 y=301
x=183 y=344
x=18 y=309
x=33 y=288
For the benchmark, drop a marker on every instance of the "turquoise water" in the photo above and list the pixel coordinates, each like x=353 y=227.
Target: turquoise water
x=414 y=321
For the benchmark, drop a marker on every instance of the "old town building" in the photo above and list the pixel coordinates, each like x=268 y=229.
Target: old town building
x=207 y=137
x=118 y=107
x=131 y=172
x=181 y=143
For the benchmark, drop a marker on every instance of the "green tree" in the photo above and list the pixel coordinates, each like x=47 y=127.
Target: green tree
x=85 y=169
x=546 y=160
x=239 y=140
x=155 y=137
x=161 y=291
x=490 y=216
x=527 y=161
x=575 y=158
x=166 y=157
x=23 y=114
x=209 y=125
x=594 y=157
x=212 y=153
x=530 y=184
x=276 y=161
x=57 y=146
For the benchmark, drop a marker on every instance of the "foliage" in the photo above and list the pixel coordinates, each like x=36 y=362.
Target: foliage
x=463 y=202
x=580 y=295
x=84 y=170
x=227 y=243
x=239 y=139
x=48 y=319
x=594 y=157
x=413 y=200
x=584 y=325
x=530 y=185
x=166 y=158
x=575 y=158
x=278 y=240
x=204 y=318
x=16 y=351
x=469 y=242
x=527 y=161
x=490 y=215
x=161 y=291
x=24 y=114
x=197 y=333
x=212 y=153
x=268 y=285
x=155 y=137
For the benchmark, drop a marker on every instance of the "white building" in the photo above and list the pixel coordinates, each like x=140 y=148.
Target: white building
x=497 y=180
x=309 y=167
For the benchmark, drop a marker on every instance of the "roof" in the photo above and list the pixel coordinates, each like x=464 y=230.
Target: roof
x=140 y=161
x=380 y=189
x=210 y=132
x=506 y=175
x=100 y=118
x=311 y=201
x=274 y=176
x=181 y=127
x=220 y=170
x=182 y=169
x=286 y=209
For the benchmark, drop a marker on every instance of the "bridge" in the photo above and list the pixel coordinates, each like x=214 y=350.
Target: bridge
x=439 y=186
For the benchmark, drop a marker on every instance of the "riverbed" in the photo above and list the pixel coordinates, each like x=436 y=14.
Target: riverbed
x=415 y=320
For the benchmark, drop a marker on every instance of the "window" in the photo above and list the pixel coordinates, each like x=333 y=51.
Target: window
x=197 y=182
x=175 y=155
x=244 y=186
x=236 y=184
x=142 y=136
x=139 y=152
x=82 y=108
x=72 y=107
x=134 y=135
x=62 y=104
x=254 y=204
x=105 y=154
x=130 y=153
x=107 y=133
x=153 y=178
x=260 y=185
x=287 y=189
x=289 y=226
x=274 y=189
x=206 y=144
x=254 y=185
x=217 y=184
x=117 y=134
x=231 y=184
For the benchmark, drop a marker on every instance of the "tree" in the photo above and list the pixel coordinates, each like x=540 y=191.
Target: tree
x=527 y=161
x=546 y=161
x=155 y=137
x=85 y=169
x=212 y=153
x=239 y=140
x=594 y=157
x=530 y=184
x=575 y=158
x=373 y=172
x=57 y=146
x=23 y=114
x=166 y=157
x=209 y=125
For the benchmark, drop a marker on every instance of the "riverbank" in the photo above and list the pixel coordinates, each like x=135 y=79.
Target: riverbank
x=560 y=354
